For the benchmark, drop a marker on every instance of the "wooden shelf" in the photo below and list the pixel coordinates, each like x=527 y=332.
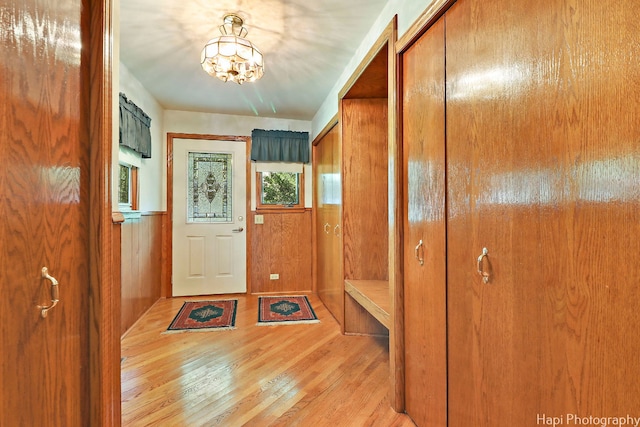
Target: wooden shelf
x=373 y=296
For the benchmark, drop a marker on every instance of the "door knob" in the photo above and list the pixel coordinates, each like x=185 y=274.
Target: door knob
x=55 y=296
x=238 y=230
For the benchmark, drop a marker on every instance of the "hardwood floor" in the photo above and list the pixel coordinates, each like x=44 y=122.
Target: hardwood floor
x=289 y=375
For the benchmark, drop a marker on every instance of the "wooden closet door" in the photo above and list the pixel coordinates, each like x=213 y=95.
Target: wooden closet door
x=46 y=208
x=543 y=160
x=329 y=280
x=424 y=229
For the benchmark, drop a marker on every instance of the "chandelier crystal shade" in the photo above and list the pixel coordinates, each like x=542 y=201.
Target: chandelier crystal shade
x=231 y=57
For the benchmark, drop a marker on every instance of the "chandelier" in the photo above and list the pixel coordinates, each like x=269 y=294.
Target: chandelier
x=231 y=57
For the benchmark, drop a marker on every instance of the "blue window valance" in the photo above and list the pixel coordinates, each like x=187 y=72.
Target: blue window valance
x=135 y=125
x=279 y=146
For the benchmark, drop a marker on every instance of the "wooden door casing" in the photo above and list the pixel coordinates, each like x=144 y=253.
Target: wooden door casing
x=423 y=102
x=44 y=193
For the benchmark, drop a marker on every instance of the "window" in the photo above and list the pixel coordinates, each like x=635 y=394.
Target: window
x=128 y=187
x=280 y=190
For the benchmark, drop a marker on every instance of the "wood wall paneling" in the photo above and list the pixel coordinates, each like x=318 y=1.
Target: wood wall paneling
x=358 y=321
x=373 y=82
x=365 y=189
x=282 y=245
x=142 y=266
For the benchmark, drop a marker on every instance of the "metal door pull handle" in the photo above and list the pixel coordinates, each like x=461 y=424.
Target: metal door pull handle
x=326 y=228
x=55 y=296
x=418 y=257
x=481 y=272
x=238 y=230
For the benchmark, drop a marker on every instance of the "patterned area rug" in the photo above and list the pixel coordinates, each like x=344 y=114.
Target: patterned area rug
x=278 y=310
x=205 y=316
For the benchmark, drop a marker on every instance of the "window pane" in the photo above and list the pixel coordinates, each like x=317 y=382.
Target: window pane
x=209 y=190
x=280 y=188
x=123 y=188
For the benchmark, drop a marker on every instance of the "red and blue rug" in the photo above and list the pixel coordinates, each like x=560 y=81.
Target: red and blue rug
x=285 y=310
x=205 y=316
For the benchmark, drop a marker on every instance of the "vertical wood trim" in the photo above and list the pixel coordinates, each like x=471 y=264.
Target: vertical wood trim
x=314 y=219
x=168 y=230
x=104 y=301
x=396 y=293
x=249 y=217
x=135 y=191
x=169 y=226
x=340 y=255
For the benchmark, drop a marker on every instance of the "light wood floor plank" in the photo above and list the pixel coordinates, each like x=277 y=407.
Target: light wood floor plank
x=288 y=375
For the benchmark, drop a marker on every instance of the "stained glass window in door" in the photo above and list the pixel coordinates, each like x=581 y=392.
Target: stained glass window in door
x=209 y=190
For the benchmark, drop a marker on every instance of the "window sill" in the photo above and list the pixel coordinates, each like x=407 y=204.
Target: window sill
x=131 y=215
x=279 y=209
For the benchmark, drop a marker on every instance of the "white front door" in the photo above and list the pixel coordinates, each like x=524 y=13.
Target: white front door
x=209 y=217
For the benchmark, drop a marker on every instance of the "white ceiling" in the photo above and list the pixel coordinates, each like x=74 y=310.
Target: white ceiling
x=306 y=45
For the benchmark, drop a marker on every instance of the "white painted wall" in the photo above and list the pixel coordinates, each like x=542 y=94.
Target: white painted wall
x=153 y=170
x=223 y=124
x=408 y=11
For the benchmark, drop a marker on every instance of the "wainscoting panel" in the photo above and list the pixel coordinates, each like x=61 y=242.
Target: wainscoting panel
x=141 y=265
x=282 y=245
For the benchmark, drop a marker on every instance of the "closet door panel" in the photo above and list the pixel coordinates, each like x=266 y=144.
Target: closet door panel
x=501 y=176
x=322 y=186
x=329 y=274
x=542 y=157
x=600 y=275
x=424 y=229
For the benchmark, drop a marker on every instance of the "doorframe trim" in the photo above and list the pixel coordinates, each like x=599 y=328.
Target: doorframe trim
x=104 y=302
x=168 y=232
